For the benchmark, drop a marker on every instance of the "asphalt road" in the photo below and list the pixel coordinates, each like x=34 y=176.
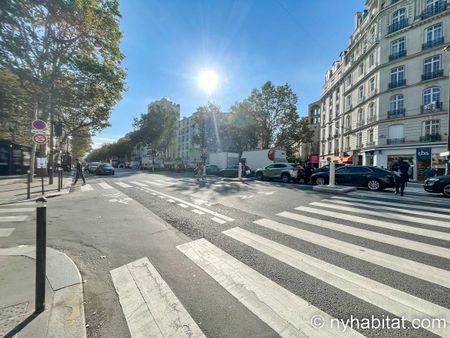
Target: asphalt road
x=117 y=220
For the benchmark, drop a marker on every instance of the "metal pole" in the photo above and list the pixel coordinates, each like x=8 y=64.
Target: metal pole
x=28 y=184
x=447 y=166
x=59 y=179
x=41 y=246
x=332 y=174
x=240 y=171
x=42 y=180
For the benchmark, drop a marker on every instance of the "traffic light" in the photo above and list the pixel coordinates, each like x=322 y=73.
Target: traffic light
x=58 y=129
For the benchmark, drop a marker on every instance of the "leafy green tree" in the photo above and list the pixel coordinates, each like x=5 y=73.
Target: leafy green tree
x=81 y=143
x=295 y=134
x=210 y=128
x=242 y=128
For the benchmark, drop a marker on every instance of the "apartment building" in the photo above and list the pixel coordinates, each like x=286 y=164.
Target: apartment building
x=187 y=150
x=387 y=94
x=309 y=151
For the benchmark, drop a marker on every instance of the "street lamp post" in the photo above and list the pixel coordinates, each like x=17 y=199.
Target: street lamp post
x=447 y=167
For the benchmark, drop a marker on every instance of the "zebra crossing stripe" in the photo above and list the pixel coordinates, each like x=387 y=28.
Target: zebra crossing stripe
x=123 y=184
x=197 y=211
x=406 y=266
x=139 y=184
x=389 y=196
x=380 y=208
x=372 y=235
x=5 y=232
x=12 y=210
x=390 y=215
x=86 y=187
x=150 y=307
x=378 y=223
x=266 y=299
x=392 y=300
x=105 y=185
x=154 y=183
x=393 y=204
x=4 y=219
x=218 y=220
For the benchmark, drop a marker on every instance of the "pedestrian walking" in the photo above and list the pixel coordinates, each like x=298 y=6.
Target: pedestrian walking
x=79 y=172
x=199 y=171
x=400 y=169
x=308 y=172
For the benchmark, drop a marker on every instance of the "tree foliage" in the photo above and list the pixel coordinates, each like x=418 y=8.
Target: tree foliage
x=242 y=128
x=81 y=143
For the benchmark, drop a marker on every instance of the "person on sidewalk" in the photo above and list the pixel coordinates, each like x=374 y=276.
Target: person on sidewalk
x=308 y=172
x=400 y=169
x=79 y=172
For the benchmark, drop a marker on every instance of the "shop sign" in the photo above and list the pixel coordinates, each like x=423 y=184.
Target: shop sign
x=423 y=153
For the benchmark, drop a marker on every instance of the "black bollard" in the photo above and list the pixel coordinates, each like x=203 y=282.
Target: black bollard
x=59 y=179
x=41 y=247
x=28 y=184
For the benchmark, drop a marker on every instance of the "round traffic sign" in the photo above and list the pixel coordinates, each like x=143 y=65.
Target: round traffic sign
x=39 y=124
x=271 y=154
x=39 y=139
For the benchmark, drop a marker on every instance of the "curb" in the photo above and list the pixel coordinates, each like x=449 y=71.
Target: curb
x=67 y=317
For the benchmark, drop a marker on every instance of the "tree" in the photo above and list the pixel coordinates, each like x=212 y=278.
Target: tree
x=81 y=143
x=242 y=128
x=295 y=134
x=211 y=128
x=274 y=109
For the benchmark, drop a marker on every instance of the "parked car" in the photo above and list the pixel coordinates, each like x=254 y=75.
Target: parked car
x=212 y=169
x=284 y=171
x=326 y=167
x=438 y=184
x=369 y=177
x=91 y=167
x=233 y=172
x=104 y=169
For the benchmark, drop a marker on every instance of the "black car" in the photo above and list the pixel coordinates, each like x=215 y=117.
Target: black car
x=233 y=172
x=372 y=178
x=104 y=169
x=212 y=169
x=438 y=184
x=326 y=167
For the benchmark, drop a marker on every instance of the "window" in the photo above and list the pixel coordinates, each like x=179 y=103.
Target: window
x=431 y=4
x=432 y=94
x=396 y=103
x=433 y=33
x=348 y=102
x=361 y=69
x=338 y=110
x=398 y=48
x=372 y=85
x=330 y=150
x=432 y=64
x=360 y=116
x=370 y=136
x=361 y=92
x=359 y=139
x=396 y=131
x=347 y=142
x=371 y=112
x=397 y=75
x=358 y=170
x=431 y=127
x=399 y=16
x=348 y=122
x=371 y=59
x=348 y=80
x=279 y=165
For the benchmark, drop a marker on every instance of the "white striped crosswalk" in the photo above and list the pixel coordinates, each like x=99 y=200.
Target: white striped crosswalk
x=288 y=313
x=13 y=215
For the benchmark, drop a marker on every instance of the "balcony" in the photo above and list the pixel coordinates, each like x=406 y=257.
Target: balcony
x=359 y=145
x=359 y=123
x=431 y=108
x=396 y=26
x=431 y=138
x=395 y=114
x=395 y=140
x=432 y=75
x=433 y=43
x=397 y=55
x=396 y=84
x=371 y=143
x=436 y=8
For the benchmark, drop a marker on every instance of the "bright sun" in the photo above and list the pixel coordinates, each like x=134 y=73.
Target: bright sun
x=208 y=80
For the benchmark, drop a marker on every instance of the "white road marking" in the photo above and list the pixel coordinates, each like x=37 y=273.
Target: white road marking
x=286 y=313
x=218 y=220
x=425 y=198
x=162 y=197
x=154 y=194
x=12 y=210
x=140 y=184
x=392 y=300
x=409 y=267
x=378 y=223
x=397 y=210
x=207 y=211
x=87 y=187
x=154 y=183
x=150 y=307
x=4 y=219
x=372 y=235
x=390 y=215
x=105 y=185
x=393 y=204
x=169 y=200
x=182 y=205
x=197 y=211
x=18 y=204
x=123 y=184
x=5 y=232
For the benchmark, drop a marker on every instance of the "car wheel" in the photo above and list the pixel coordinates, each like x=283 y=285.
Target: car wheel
x=446 y=190
x=259 y=176
x=373 y=185
x=320 y=181
x=285 y=178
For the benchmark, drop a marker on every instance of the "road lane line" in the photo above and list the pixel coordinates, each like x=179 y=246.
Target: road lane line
x=286 y=313
x=4 y=219
x=378 y=223
x=162 y=197
x=218 y=220
x=171 y=201
x=390 y=215
x=197 y=211
x=5 y=232
x=13 y=210
x=372 y=235
x=207 y=211
x=105 y=185
x=154 y=183
x=182 y=205
x=392 y=300
x=150 y=307
x=393 y=204
x=123 y=184
x=139 y=184
x=406 y=266
x=88 y=187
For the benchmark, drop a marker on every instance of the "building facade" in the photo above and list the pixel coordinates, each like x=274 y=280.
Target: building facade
x=387 y=95
x=307 y=151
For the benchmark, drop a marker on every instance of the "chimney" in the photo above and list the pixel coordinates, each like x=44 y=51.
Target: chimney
x=358 y=19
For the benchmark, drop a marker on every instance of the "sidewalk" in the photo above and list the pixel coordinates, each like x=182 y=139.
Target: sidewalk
x=15 y=189
x=64 y=307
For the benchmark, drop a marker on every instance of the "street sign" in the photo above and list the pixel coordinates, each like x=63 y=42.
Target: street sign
x=39 y=125
x=40 y=139
x=445 y=153
x=41 y=162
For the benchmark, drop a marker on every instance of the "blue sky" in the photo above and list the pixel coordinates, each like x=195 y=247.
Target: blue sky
x=247 y=42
